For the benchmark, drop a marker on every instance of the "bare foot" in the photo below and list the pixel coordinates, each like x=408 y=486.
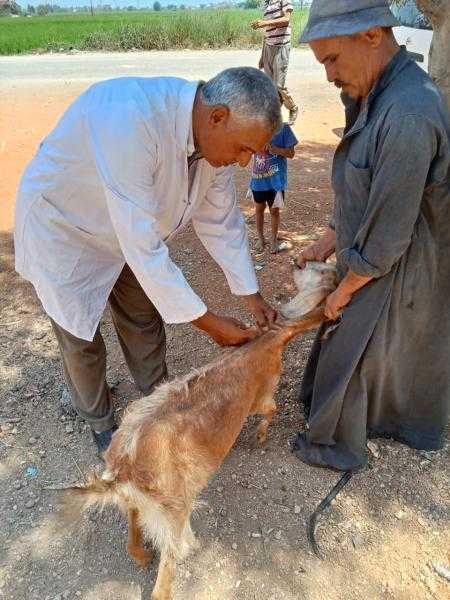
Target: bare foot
x=284 y=245
x=279 y=247
x=260 y=246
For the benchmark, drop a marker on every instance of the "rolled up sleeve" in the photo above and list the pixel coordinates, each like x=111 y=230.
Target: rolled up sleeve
x=398 y=179
x=219 y=224
x=126 y=158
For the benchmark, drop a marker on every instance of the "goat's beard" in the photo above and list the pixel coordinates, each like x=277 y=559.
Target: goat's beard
x=314 y=283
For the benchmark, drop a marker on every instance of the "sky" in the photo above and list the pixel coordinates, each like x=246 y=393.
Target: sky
x=119 y=3
x=123 y=3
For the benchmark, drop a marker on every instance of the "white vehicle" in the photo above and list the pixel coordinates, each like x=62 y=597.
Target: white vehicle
x=416 y=32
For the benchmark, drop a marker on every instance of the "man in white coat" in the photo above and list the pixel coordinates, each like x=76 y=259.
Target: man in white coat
x=130 y=163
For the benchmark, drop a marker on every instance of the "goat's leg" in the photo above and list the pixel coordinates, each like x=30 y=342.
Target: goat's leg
x=268 y=410
x=188 y=539
x=163 y=585
x=135 y=546
x=183 y=536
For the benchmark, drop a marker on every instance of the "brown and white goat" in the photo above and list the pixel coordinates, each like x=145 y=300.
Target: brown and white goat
x=170 y=443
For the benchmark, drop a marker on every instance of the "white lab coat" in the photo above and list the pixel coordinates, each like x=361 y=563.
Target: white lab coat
x=110 y=185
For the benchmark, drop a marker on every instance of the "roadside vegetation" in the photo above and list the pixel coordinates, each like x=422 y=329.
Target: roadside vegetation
x=143 y=30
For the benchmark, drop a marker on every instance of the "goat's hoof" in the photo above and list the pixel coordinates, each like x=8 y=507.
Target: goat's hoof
x=195 y=544
x=260 y=439
x=141 y=556
x=161 y=596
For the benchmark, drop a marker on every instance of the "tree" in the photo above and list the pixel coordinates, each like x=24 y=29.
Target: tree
x=438 y=13
x=10 y=8
x=43 y=9
x=157 y=5
x=252 y=4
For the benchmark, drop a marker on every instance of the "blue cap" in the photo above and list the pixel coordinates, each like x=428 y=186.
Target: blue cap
x=331 y=18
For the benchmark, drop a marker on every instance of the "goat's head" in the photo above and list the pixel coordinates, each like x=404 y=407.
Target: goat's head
x=314 y=283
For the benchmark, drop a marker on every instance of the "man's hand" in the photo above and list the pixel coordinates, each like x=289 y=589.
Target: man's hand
x=335 y=302
x=225 y=330
x=264 y=314
x=311 y=252
x=342 y=295
x=258 y=24
x=320 y=250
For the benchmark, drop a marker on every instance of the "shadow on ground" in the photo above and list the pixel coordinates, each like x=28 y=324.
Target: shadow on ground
x=379 y=538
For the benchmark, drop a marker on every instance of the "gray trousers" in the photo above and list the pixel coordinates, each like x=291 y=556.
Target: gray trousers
x=141 y=334
x=276 y=62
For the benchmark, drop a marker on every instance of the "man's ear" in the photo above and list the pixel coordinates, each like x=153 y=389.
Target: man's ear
x=219 y=115
x=373 y=36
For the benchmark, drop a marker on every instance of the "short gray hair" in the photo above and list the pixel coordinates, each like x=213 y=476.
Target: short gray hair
x=248 y=93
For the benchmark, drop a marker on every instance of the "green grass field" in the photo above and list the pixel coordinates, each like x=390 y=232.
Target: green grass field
x=119 y=31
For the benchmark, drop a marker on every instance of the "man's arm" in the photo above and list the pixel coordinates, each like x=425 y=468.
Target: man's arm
x=220 y=226
x=399 y=174
x=126 y=159
x=393 y=206
x=224 y=330
x=282 y=21
x=276 y=23
x=286 y=152
x=261 y=58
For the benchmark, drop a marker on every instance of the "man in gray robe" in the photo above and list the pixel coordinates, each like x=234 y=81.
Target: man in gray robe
x=385 y=369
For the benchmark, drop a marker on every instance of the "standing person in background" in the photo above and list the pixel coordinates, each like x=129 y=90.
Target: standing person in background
x=269 y=182
x=276 y=48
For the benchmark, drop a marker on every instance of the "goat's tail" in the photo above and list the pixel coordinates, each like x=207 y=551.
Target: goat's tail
x=312 y=319
x=74 y=501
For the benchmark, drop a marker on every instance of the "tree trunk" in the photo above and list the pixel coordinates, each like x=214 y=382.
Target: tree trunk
x=438 y=11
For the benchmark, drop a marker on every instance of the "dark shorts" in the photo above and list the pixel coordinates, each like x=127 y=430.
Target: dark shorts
x=266 y=196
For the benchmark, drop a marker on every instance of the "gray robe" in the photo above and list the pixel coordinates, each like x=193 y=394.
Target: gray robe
x=385 y=370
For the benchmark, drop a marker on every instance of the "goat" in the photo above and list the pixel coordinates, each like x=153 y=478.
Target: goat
x=171 y=442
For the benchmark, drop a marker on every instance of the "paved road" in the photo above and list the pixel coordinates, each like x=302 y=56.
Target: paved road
x=23 y=74
x=86 y=67
x=306 y=77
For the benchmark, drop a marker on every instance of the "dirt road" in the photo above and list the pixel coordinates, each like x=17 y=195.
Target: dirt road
x=384 y=537
x=35 y=90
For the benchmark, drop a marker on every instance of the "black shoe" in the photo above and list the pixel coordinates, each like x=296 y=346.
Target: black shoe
x=102 y=439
